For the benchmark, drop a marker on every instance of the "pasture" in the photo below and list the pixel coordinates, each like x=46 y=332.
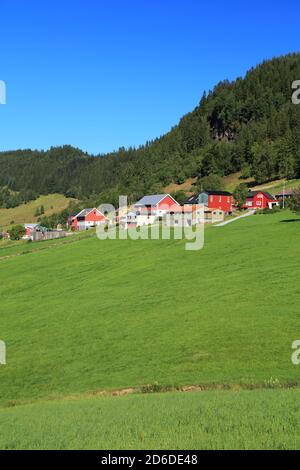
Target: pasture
x=264 y=419
x=25 y=213
x=85 y=316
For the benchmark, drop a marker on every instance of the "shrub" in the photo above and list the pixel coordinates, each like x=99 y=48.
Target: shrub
x=17 y=232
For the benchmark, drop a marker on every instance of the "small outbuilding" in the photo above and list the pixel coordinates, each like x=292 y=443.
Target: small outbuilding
x=88 y=218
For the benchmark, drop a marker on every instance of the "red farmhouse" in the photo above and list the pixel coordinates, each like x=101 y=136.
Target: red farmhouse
x=87 y=219
x=221 y=200
x=158 y=205
x=260 y=200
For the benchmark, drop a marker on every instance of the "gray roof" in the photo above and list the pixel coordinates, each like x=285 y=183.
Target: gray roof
x=36 y=227
x=32 y=226
x=151 y=200
x=84 y=213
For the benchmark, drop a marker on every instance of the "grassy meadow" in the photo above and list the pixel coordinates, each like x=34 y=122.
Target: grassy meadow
x=93 y=315
x=25 y=213
x=264 y=419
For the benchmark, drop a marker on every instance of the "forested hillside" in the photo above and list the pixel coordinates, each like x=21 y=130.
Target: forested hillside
x=248 y=125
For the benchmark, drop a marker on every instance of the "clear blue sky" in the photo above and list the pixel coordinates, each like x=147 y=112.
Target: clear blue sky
x=99 y=74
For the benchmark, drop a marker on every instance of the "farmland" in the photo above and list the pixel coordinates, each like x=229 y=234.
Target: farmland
x=264 y=419
x=87 y=316
x=25 y=213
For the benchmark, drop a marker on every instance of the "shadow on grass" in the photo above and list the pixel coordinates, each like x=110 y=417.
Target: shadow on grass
x=289 y=220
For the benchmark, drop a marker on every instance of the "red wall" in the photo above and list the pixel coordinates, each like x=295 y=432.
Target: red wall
x=94 y=216
x=166 y=203
x=257 y=200
x=220 y=202
x=74 y=224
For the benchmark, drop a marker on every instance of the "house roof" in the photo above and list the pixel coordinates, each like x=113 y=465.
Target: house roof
x=252 y=194
x=84 y=213
x=31 y=226
x=285 y=193
x=194 y=199
x=36 y=227
x=216 y=193
x=152 y=200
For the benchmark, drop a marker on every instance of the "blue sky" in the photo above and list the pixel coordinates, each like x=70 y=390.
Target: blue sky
x=103 y=74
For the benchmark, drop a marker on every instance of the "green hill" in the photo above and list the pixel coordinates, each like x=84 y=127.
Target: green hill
x=95 y=315
x=247 y=125
x=26 y=213
x=81 y=317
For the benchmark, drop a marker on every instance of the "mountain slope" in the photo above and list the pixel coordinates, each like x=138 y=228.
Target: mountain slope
x=249 y=124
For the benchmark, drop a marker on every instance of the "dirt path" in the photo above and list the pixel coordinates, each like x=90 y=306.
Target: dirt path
x=248 y=214
x=155 y=389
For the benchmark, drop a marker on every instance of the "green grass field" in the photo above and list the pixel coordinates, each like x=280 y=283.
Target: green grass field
x=268 y=419
x=100 y=315
x=25 y=213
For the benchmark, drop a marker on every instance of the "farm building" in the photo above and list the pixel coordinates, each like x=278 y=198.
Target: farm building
x=30 y=229
x=155 y=205
x=148 y=210
x=221 y=200
x=260 y=200
x=88 y=218
x=212 y=216
x=185 y=216
x=285 y=194
x=36 y=233
x=4 y=235
x=137 y=219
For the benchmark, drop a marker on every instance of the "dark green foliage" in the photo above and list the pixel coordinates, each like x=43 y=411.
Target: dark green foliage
x=249 y=124
x=62 y=217
x=180 y=196
x=240 y=195
x=295 y=201
x=9 y=199
x=210 y=183
x=17 y=232
x=268 y=211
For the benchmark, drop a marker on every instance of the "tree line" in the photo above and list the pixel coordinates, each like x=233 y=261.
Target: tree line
x=248 y=125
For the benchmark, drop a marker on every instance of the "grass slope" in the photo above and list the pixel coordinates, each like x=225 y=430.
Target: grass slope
x=101 y=315
x=268 y=419
x=26 y=212
x=230 y=183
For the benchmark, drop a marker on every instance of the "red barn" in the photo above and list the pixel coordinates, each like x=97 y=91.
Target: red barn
x=30 y=229
x=87 y=219
x=157 y=205
x=260 y=200
x=221 y=200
